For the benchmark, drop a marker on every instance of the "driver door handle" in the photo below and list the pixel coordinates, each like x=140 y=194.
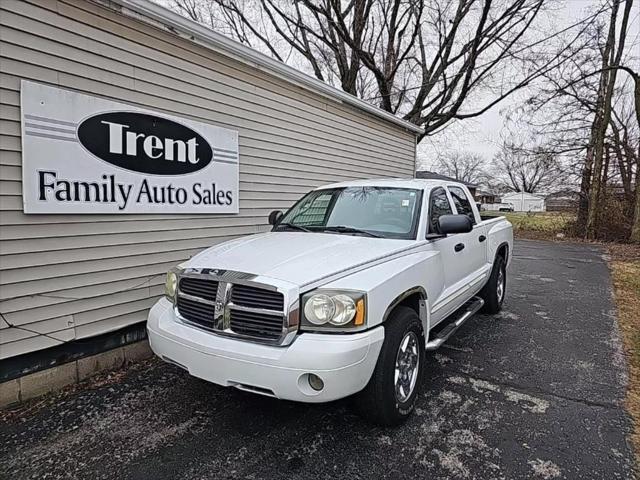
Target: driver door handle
x=459 y=247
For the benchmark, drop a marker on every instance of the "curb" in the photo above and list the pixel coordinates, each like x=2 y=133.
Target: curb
x=54 y=379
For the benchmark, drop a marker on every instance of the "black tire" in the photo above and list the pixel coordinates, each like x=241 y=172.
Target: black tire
x=490 y=293
x=378 y=402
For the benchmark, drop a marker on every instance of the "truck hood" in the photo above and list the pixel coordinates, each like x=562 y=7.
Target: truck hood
x=296 y=257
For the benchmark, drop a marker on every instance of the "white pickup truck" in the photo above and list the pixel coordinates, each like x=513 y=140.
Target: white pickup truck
x=343 y=296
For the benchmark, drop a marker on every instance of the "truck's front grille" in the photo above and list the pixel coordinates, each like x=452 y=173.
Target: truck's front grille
x=256 y=324
x=249 y=296
x=196 y=312
x=219 y=305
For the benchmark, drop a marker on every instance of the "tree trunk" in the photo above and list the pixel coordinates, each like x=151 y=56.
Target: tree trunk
x=624 y=162
x=592 y=175
x=635 y=229
x=605 y=170
x=610 y=57
x=592 y=169
x=585 y=183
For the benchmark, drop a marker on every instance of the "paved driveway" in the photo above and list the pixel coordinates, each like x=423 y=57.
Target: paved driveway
x=533 y=393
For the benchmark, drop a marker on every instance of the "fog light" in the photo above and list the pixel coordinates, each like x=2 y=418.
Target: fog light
x=315 y=382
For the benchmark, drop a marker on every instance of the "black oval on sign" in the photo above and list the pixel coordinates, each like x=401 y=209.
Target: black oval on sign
x=145 y=143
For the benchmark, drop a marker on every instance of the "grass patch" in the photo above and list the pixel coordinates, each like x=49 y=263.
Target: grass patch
x=625 y=272
x=538 y=225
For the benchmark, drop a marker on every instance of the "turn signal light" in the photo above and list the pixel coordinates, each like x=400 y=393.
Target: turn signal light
x=359 y=320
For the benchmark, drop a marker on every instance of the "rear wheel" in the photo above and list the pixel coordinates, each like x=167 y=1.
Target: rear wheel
x=390 y=396
x=494 y=291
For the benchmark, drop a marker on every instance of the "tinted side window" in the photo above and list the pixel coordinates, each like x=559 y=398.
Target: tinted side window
x=463 y=206
x=438 y=205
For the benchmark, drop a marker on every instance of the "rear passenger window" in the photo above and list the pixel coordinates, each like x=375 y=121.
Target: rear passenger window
x=460 y=200
x=438 y=205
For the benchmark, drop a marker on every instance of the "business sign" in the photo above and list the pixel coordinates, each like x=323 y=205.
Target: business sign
x=84 y=154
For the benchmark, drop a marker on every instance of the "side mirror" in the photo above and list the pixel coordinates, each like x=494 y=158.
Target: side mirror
x=454 y=224
x=274 y=217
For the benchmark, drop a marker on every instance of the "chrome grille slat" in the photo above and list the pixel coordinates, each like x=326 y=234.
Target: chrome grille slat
x=241 y=325
x=244 y=327
x=196 y=307
x=239 y=322
x=193 y=298
x=259 y=311
x=255 y=321
x=258 y=334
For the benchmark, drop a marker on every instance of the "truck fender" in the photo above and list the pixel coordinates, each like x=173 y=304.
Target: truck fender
x=411 y=295
x=500 y=237
x=504 y=246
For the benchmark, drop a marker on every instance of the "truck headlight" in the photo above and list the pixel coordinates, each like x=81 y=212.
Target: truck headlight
x=170 y=285
x=328 y=309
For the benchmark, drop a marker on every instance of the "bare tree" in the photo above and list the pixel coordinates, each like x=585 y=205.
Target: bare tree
x=632 y=152
x=430 y=62
x=623 y=141
x=522 y=171
x=589 y=120
x=463 y=166
x=635 y=229
x=611 y=57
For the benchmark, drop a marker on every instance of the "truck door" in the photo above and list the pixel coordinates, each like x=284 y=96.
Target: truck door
x=454 y=271
x=471 y=247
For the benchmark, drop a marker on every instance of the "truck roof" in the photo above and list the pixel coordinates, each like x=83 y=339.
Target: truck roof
x=417 y=183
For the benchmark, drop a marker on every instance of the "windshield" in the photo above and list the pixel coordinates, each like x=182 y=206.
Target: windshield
x=378 y=211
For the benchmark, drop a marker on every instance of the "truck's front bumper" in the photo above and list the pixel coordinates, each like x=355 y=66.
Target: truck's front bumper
x=343 y=362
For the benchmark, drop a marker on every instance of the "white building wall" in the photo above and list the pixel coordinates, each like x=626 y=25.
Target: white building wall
x=66 y=277
x=524 y=202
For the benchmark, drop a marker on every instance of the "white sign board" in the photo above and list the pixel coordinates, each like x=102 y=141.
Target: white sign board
x=83 y=154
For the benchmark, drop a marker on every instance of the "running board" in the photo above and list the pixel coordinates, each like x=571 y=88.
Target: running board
x=455 y=322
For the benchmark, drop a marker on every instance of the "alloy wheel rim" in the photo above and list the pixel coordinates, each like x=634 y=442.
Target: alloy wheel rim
x=500 y=286
x=407 y=363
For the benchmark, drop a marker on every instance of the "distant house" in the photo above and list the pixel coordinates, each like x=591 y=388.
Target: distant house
x=436 y=176
x=563 y=201
x=524 y=202
x=484 y=197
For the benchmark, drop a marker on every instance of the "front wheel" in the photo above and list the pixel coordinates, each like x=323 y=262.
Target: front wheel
x=494 y=291
x=390 y=396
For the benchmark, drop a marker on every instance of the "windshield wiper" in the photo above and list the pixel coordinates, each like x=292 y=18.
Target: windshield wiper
x=294 y=226
x=345 y=229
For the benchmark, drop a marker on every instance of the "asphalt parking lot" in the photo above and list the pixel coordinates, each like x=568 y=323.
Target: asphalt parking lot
x=535 y=392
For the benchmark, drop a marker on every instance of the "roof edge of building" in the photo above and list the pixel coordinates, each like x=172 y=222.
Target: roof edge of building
x=145 y=10
x=429 y=175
